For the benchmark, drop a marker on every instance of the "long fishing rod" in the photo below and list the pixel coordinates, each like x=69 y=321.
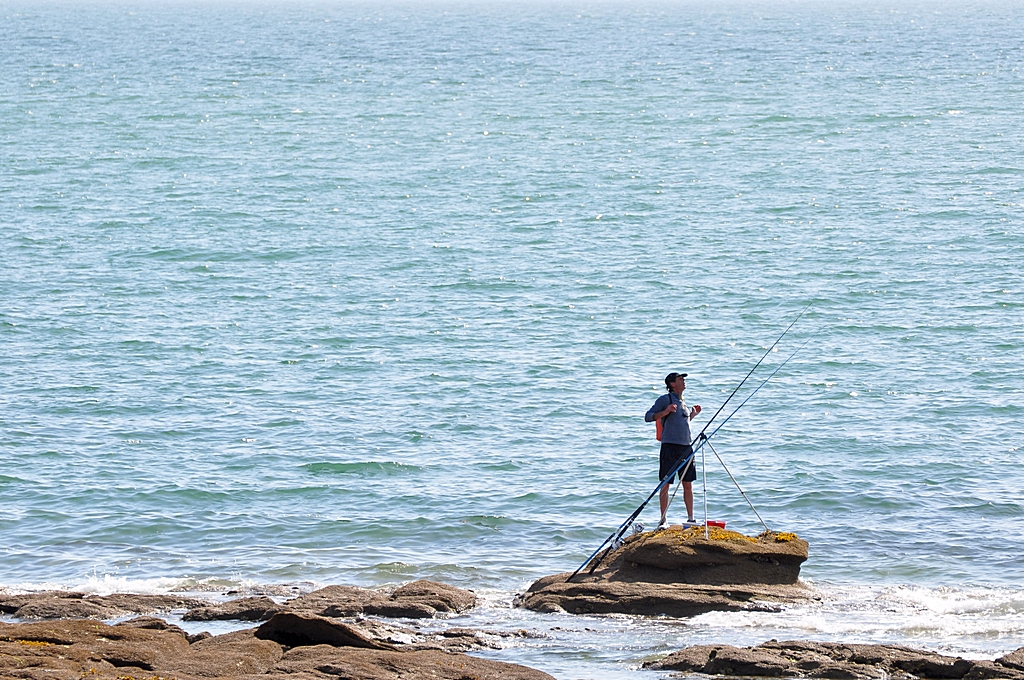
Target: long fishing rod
x=763 y=383
x=706 y=439
x=684 y=464
x=702 y=438
x=617 y=534
x=710 y=420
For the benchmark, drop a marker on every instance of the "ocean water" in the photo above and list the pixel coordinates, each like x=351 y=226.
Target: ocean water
x=324 y=292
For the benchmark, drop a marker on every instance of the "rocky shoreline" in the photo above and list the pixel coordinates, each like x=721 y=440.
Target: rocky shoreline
x=340 y=632
x=322 y=634
x=327 y=634
x=292 y=646
x=416 y=600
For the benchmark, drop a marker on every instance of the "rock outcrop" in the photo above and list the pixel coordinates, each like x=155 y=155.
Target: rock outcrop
x=679 y=572
x=802 y=658
x=416 y=600
x=302 y=647
x=72 y=605
x=258 y=608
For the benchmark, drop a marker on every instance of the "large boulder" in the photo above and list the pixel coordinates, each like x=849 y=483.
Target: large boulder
x=684 y=555
x=680 y=572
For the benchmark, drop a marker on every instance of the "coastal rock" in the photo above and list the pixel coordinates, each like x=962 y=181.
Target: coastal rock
x=237 y=653
x=1013 y=659
x=156 y=623
x=447 y=639
x=416 y=600
x=242 y=609
x=298 y=630
x=993 y=670
x=78 y=644
x=72 y=605
x=369 y=664
x=839 y=661
x=81 y=648
x=679 y=555
x=679 y=572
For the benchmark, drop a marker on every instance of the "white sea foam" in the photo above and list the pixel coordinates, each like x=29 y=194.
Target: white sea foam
x=972 y=621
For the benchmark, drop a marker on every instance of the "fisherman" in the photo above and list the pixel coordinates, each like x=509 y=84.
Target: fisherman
x=675 y=416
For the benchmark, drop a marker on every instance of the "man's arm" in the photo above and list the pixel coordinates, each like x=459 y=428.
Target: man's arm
x=658 y=410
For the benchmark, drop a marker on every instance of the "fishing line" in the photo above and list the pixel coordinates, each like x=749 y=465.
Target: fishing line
x=617 y=534
x=763 y=383
x=704 y=474
x=707 y=438
x=738 y=489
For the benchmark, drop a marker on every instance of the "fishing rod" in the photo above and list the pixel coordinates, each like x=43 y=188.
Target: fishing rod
x=763 y=383
x=683 y=466
x=706 y=439
x=617 y=534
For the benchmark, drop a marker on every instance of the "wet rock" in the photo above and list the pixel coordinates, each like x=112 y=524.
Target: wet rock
x=678 y=600
x=993 y=670
x=142 y=648
x=1013 y=659
x=369 y=664
x=678 y=572
x=345 y=598
x=447 y=640
x=441 y=597
x=72 y=605
x=145 y=604
x=299 y=630
x=156 y=623
x=153 y=623
x=87 y=644
x=65 y=608
x=798 y=658
x=416 y=600
x=242 y=609
x=237 y=653
x=10 y=604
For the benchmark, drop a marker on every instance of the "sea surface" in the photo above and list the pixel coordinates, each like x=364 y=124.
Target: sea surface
x=323 y=292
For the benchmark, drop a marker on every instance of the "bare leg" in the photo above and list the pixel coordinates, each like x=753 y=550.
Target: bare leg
x=663 y=498
x=687 y=498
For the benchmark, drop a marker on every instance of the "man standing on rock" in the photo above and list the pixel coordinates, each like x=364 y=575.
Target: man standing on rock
x=675 y=416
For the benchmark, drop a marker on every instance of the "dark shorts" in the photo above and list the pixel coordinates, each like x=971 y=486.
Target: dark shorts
x=671 y=454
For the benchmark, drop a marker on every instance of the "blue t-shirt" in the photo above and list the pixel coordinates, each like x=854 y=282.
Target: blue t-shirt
x=676 y=426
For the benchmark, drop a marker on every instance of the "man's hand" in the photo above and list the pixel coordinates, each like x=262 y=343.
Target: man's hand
x=694 y=411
